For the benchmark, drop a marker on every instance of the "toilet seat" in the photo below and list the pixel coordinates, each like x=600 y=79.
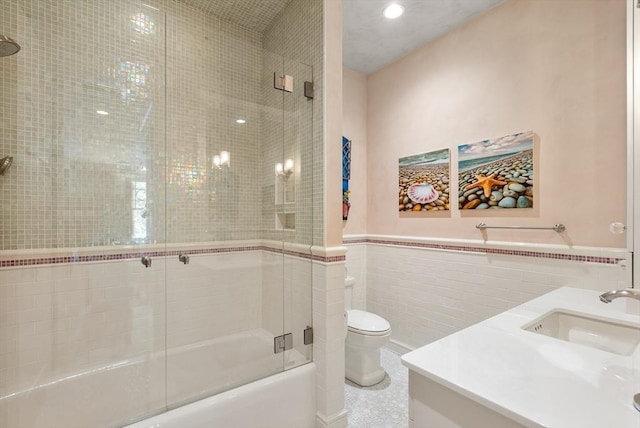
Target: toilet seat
x=366 y=323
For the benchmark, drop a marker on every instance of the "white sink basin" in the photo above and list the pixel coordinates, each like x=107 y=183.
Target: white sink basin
x=585 y=330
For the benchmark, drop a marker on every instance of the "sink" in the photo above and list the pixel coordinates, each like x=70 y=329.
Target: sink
x=586 y=330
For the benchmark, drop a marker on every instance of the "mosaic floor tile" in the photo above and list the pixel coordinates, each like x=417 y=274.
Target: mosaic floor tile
x=384 y=405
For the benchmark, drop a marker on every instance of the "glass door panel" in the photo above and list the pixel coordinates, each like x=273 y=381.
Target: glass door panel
x=83 y=325
x=297 y=158
x=224 y=306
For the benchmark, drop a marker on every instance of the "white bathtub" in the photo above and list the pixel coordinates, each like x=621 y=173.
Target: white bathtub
x=285 y=400
x=103 y=396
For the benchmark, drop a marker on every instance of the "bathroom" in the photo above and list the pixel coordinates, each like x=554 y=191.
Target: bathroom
x=558 y=69
x=168 y=217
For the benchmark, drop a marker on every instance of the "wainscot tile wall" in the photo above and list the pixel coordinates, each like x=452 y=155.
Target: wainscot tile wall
x=64 y=319
x=75 y=317
x=328 y=343
x=427 y=292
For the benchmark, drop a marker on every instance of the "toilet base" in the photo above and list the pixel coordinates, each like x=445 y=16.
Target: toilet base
x=362 y=364
x=368 y=379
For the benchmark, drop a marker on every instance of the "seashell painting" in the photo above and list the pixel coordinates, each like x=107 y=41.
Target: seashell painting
x=422 y=193
x=424 y=181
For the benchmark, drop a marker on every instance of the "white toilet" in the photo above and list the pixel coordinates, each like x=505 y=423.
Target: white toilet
x=366 y=334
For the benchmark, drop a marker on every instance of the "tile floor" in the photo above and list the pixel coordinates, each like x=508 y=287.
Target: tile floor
x=384 y=405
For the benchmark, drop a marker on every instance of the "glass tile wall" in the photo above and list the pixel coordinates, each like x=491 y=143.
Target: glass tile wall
x=84 y=122
x=85 y=117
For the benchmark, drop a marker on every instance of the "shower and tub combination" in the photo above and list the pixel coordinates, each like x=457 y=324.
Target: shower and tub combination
x=152 y=264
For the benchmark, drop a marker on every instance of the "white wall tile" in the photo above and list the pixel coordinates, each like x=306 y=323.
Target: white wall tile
x=32 y=288
x=426 y=294
x=356 y=267
x=17 y=276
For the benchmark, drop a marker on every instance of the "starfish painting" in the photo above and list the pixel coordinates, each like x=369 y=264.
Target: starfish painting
x=486 y=183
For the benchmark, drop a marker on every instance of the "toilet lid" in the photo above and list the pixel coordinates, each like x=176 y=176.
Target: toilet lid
x=366 y=321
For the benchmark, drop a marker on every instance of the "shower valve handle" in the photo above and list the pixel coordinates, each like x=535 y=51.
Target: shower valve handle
x=184 y=258
x=146 y=261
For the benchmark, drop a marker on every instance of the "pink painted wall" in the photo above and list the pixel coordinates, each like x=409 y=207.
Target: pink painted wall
x=555 y=67
x=354 y=114
x=332 y=122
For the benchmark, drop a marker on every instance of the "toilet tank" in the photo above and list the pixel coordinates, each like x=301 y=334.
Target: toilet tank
x=349 y=281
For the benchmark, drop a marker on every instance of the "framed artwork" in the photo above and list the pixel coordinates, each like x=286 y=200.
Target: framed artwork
x=424 y=182
x=496 y=174
x=346 y=176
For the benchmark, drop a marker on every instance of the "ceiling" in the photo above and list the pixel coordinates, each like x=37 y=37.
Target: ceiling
x=253 y=14
x=372 y=41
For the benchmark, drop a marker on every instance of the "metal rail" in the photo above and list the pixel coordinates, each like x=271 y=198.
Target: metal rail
x=556 y=227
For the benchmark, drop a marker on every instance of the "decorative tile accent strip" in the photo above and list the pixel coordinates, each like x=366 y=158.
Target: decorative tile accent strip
x=130 y=256
x=317 y=258
x=322 y=259
x=355 y=241
x=213 y=250
x=466 y=249
x=332 y=259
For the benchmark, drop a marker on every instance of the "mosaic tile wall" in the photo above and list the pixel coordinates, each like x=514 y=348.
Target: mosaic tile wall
x=8 y=129
x=75 y=166
x=253 y=14
x=84 y=178
x=213 y=79
x=297 y=34
x=288 y=135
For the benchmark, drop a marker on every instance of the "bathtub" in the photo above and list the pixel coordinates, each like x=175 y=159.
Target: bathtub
x=285 y=400
x=105 y=396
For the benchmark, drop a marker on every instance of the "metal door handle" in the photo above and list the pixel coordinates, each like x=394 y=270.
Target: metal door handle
x=146 y=261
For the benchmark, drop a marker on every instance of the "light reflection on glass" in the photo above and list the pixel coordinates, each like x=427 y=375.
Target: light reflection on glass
x=189 y=176
x=133 y=76
x=142 y=23
x=224 y=158
x=139 y=234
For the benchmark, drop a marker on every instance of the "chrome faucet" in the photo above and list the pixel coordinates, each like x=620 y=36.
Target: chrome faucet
x=614 y=294
x=183 y=258
x=607 y=298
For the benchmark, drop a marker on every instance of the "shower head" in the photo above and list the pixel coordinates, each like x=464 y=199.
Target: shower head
x=5 y=163
x=8 y=46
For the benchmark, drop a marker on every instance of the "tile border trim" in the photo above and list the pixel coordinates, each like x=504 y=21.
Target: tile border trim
x=486 y=250
x=128 y=255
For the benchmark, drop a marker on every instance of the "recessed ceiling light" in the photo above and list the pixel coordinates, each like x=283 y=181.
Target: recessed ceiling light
x=393 y=11
x=102 y=112
x=241 y=121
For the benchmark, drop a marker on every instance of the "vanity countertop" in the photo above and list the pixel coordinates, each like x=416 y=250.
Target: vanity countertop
x=536 y=380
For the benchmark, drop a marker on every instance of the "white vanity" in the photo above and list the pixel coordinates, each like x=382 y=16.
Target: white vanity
x=564 y=359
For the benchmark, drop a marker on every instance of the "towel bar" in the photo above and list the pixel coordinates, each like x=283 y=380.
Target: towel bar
x=556 y=227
